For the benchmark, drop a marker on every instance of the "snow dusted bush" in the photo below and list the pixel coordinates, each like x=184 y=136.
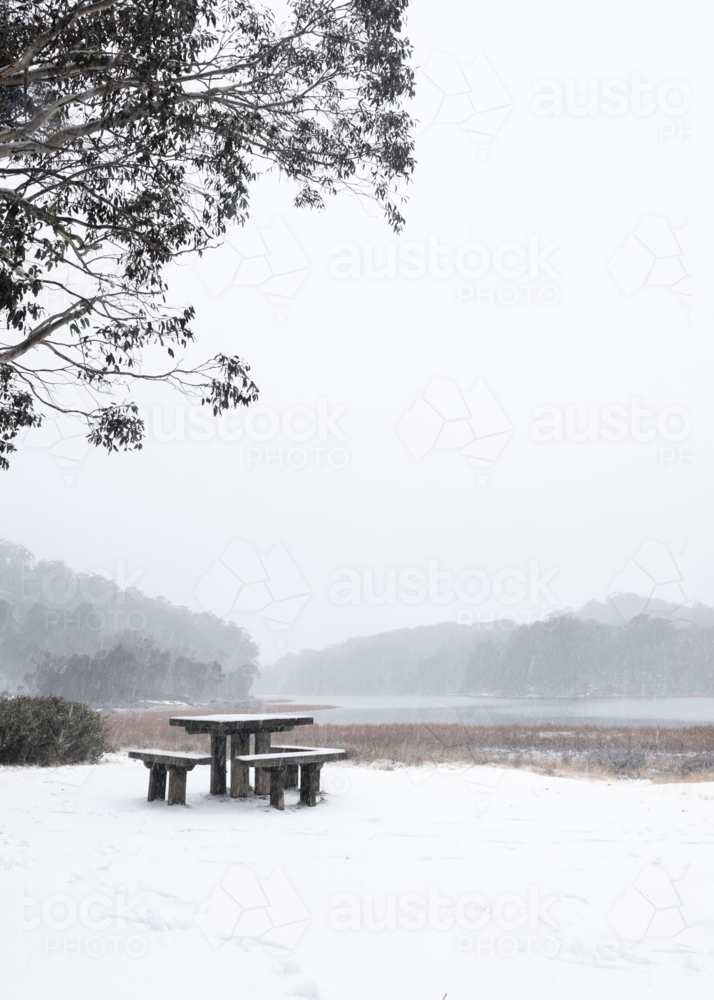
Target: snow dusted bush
x=50 y=731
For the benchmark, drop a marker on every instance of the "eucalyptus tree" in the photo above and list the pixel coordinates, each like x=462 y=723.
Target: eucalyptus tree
x=130 y=135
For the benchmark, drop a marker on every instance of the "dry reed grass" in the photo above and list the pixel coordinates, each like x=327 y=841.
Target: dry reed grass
x=599 y=751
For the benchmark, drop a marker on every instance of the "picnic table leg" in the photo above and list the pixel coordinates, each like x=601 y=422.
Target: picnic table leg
x=262 y=775
x=240 y=774
x=291 y=776
x=277 y=783
x=218 y=764
x=309 y=783
x=177 y=785
x=157 y=781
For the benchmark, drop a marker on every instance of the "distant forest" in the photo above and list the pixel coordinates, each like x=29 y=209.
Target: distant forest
x=86 y=638
x=83 y=637
x=589 y=652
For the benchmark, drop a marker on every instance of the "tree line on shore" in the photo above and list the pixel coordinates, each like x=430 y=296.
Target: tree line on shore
x=84 y=637
x=568 y=655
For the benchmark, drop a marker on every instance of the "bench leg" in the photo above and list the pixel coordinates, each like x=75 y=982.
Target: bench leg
x=262 y=775
x=218 y=764
x=157 y=781
x=309 y=783
x=240 y=774
x=177 y=785
x=277 y=783
x=291 y=776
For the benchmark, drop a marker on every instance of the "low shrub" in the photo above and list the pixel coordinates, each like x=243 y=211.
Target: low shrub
x=49 y=731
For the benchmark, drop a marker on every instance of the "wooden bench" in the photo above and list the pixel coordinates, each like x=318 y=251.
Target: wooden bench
x=291 y=771
x=177 y=764
x=240 y=783
x=282 y=763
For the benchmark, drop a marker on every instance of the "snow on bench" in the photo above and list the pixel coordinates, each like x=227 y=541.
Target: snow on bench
x=177 y=764
x=283 y=763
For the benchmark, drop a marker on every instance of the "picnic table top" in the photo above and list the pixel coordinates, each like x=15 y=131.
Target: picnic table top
x=243 y=721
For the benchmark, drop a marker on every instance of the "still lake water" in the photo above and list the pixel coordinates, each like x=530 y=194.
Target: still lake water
x=497 y=711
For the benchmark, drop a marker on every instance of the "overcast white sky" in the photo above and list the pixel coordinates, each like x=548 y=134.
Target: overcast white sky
x=543 y=265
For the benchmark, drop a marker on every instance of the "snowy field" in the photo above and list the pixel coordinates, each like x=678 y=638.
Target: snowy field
x=409 y=883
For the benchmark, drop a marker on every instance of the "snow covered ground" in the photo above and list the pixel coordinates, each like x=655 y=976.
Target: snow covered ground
x=410 y=883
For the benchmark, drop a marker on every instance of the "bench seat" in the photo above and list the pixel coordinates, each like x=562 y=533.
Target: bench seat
x=177 y=764
x=282 y=763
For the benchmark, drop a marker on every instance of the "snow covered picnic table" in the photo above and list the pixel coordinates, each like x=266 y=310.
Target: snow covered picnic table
x=239 y=728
